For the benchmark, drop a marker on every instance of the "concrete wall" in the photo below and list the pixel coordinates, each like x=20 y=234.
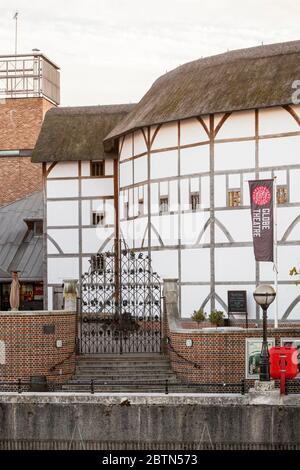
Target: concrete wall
x=154 y=422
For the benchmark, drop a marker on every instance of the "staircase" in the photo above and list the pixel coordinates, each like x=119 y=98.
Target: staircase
x=124 y=373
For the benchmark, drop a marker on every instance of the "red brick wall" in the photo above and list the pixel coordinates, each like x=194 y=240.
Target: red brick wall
x=220 y=357
x=20 y=124
x=31 y=352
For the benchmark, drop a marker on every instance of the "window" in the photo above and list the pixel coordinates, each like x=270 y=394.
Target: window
x=141 y=206
x=38 y=228
x=97 y=168
x=98 y=262
x=98 y=218
x=194 y=201
x=282 y=194
x=126 y=210
x=234 y=198
x=163 y=205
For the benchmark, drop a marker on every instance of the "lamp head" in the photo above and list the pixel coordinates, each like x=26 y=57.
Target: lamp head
x=264 y=295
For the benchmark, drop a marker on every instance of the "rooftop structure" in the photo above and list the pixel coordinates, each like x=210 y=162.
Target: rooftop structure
x=29 y=76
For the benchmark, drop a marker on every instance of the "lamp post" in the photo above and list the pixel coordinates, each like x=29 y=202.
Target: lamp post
x=264 y=295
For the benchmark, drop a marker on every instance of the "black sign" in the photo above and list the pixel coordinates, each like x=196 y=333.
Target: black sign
x=237 y=301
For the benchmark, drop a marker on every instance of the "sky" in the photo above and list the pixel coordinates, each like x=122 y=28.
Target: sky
x=111 y=51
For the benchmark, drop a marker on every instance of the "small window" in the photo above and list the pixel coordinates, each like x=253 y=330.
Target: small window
x=98 y=218
x=38 y=228
x=141 y=206
x=282 y=194
x=234 y=198
x=98 y=262
x=97 y=168
x=164 y=205
x=195 y=201
x=126 y=210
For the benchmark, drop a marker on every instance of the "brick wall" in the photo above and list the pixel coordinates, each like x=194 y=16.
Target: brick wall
x=217 y=356
x=20 y=124
x=29 y=351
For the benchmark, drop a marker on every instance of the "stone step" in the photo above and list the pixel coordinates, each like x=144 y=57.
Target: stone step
x=120 y=369
x=131 y=389
x=124 y=375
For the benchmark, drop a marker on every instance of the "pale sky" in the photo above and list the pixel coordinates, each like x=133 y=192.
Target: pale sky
x=111 y=51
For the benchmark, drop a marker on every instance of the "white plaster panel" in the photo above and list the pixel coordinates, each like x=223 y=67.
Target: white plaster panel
x=64 y=170
x=94 y=237
x=286 y=295
x=234 y=264
x=109 y=212
x=50 y=298
x=234 y=155
x=220 y=236
x=281 y=177
x=265 y=175
x=191 y=132
x=98 y=204
x=237 y=222
x=192 y=298
x=266 y=272
x=127 y=232
x=288 y=256
x=98 y=187
x=276 y=121
x=285 y=216
x=294 y=186
x=130 y=202
x=66 y=238
x=126 y=176
x=109 y=167
x=279 y=151
x=51 y=248
x=139 y=143
x=86 y=168
x=62 y=213
x=205 y=192
x=165 y=263
x=140 y=169
x=184 y=194
x=126 y=151
x=192 y=224
x=86 y=212
x=139 y=227
x=62 y=268
x=239 y=124
x=164 y=164
x=167 y=136
x=220 y=191
x=173 y=196
x=246 y=193
x=164 y=188
x=195 y=265
x=62 y=189
x=195 y=184
x=194 y=160
x=234 y=181
x=167 y=228
x=154 y=198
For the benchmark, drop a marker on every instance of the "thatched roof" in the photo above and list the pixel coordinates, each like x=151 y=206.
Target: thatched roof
x=257 y=77
x=77 y=133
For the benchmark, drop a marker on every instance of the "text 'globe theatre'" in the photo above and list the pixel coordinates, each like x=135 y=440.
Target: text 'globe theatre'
x=179 y=163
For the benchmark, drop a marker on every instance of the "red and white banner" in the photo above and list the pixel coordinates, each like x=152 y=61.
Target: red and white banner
x=261 y=199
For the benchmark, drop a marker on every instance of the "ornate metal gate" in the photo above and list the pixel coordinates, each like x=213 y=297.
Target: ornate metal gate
x=120 y=305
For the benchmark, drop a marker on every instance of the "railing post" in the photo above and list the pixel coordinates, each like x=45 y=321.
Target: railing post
x=19 y=386
x=243 y=387
x=166 y=387
x=92 y=387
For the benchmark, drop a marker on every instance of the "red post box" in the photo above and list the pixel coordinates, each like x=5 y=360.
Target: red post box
x=283 y=364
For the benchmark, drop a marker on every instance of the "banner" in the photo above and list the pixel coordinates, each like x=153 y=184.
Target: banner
x=261 y=200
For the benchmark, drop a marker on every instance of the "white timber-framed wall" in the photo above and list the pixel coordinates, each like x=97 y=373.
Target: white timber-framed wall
x=210 y=251
x=71 y=196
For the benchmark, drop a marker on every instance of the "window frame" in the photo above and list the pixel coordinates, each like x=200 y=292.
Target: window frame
x=192 y=195
x=162 y=212
x=280 y=187
x=97 y=162
x=95 y=214
x=234 y=190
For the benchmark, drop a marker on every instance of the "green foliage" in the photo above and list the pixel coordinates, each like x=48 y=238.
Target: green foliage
x=216 y=317
x=199 y=315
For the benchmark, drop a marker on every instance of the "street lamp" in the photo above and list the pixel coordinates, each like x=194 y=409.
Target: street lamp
x=264 y=295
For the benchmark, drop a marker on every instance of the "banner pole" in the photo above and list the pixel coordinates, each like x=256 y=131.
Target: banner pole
x=275 y=262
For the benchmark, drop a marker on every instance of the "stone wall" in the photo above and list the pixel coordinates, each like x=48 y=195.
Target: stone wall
x=217 y=355
x=30 y=345
x=146 y=422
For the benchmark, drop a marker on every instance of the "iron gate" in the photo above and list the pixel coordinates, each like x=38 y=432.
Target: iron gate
x=120 y=305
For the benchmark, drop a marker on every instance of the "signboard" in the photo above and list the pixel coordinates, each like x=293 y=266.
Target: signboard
x=261 y=200
x=237 y=303
x=253 y=351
